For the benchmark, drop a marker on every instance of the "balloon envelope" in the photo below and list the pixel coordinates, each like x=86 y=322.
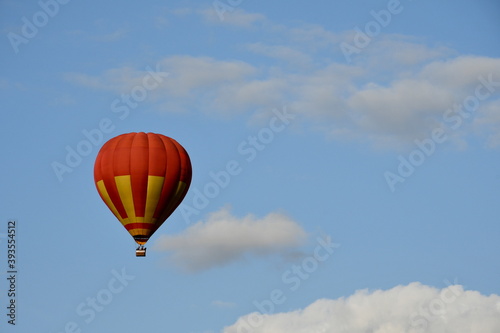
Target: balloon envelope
x=142 y=178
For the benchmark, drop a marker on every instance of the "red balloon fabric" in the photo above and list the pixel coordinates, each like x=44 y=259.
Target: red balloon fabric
x=142 y=178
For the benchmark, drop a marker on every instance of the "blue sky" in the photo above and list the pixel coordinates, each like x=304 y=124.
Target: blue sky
x=345 y=165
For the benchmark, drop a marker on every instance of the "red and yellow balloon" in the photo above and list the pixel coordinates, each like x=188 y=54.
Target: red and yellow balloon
x=142 y=178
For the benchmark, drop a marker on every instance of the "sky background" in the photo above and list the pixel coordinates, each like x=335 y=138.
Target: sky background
x=371 y=126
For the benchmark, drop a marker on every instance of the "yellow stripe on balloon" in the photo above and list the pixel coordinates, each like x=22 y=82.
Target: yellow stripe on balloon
x=124 y=186
x=102 y=190
x=155 y=185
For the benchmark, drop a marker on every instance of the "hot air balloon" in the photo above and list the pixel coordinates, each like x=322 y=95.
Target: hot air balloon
x=142 y=178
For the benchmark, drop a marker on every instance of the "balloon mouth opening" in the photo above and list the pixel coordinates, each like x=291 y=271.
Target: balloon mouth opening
x=140 y=239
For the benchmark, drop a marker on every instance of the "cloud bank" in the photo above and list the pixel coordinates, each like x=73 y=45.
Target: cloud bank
x=414 y=308
x=394 y=91
x=224 y=238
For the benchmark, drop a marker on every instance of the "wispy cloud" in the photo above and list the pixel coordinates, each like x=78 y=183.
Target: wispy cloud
x=487 y=124
x=119 y=80
x=224 y=238
x=116 y=80
x=393 y=92
x=280 y=52
x=100 y=35
x=191 y=73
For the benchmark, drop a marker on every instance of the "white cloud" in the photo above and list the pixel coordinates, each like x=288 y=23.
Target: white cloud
x=117 y=80
x=488 y=123
x=188 y=73
x=250 y=94
x=103 y=34
x=314 y=36
x=224 y=238
x=395 y=91
x=191 y=81
x=410 y=108
x=406 y=110
x=460 y=72
x=322 y=94
x=397 y=52
x=414 y=308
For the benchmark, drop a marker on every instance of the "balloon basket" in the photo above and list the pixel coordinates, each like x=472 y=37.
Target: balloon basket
x=140 y=251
